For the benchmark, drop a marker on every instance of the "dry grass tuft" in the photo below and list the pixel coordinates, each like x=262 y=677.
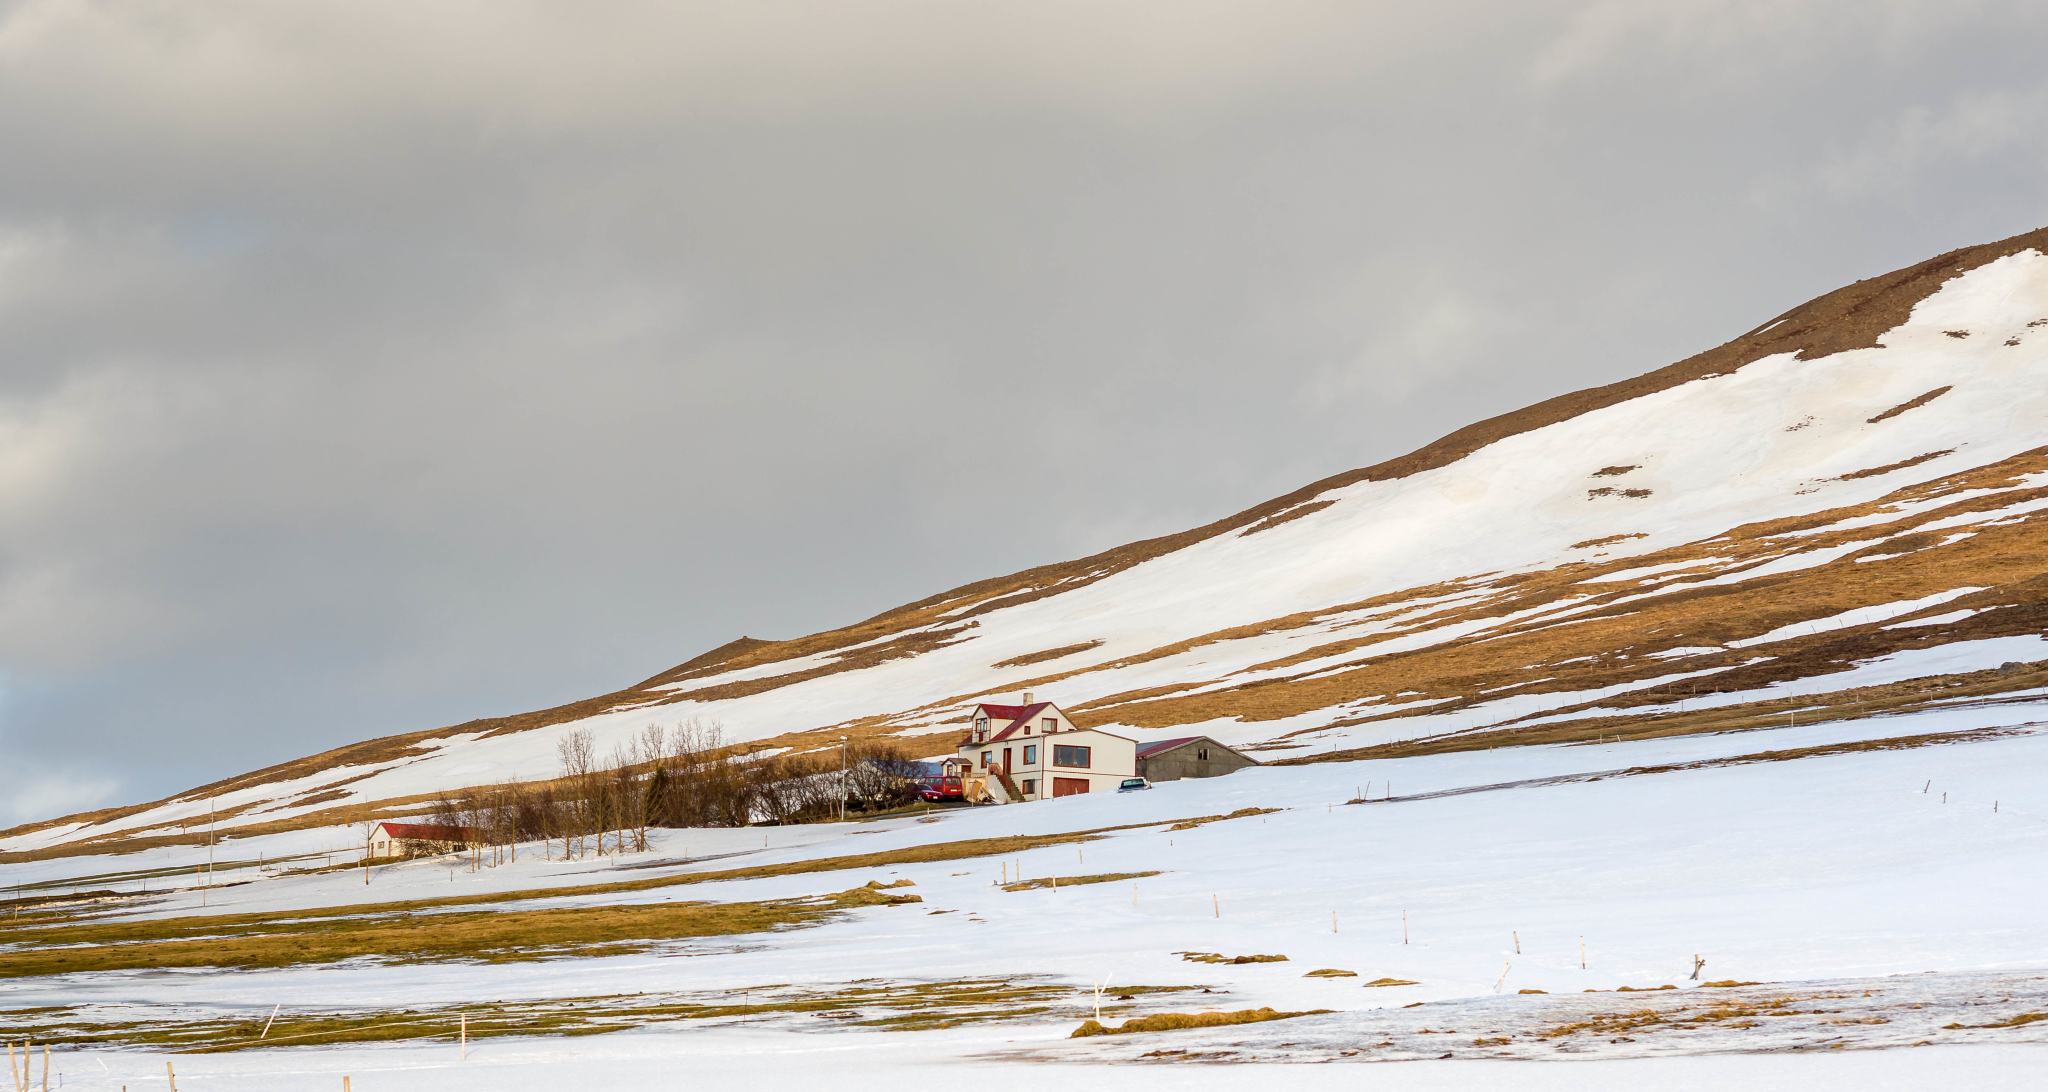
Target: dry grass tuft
x=1049 y=654
x=1074 y=881
x=1288 y=516
x=1900 y=465
x=2018 y=1021
x=1217 y=957
x=1241 y=813
x=1178 y=1021
x=1914 y=403
x=1392 y=982
x=1608 y=541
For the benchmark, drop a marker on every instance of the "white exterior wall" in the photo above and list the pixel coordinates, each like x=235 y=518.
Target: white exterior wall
x=1111 y=758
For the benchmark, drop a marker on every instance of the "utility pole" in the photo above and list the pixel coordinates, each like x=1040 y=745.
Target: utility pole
x=842 y=779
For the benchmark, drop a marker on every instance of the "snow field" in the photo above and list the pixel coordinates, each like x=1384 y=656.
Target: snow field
x=1781 y=872
x=747 y=1058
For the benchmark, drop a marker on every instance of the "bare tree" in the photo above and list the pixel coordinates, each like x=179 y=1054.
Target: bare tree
x=881 y=773
x=578 y=752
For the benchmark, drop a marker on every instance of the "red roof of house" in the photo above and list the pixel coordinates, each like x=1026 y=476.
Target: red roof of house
x=1017 y=715
x=430 y=832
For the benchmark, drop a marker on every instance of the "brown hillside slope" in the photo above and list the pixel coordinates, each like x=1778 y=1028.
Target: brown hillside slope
x=1847 y=318
x=1852 y=317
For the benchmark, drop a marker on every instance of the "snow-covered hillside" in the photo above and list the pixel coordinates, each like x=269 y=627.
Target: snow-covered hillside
x=1815 y=528
x=1742 y=662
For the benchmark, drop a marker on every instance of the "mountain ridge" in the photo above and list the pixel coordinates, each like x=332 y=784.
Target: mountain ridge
x=1293 y=659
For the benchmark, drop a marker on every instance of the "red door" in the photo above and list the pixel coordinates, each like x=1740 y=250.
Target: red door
x=1069 y=786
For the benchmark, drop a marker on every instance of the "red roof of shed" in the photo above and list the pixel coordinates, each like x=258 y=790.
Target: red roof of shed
x=1147 y=750
x=429 y=832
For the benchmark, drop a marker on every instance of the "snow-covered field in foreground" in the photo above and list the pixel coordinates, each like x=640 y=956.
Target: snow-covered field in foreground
x=1797 y=874
x=752 y=1059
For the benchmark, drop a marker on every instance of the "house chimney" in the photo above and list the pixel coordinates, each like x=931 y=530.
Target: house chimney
x=1027 y=697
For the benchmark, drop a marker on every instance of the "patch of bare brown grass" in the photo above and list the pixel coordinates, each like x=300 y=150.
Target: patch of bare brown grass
x=481 y=936
x=1075 y=881
x=1181 y=1021
x=1060 y=653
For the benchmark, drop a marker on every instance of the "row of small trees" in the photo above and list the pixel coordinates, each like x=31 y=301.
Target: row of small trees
x=686 y=775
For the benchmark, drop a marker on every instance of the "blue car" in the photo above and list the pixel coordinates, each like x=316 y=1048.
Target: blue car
x=1134 y=784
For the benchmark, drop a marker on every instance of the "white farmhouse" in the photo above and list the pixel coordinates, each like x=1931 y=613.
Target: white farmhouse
x=1031 y=751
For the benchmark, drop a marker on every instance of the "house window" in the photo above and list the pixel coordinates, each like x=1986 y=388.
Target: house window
x=984 y=759
x=1027 y=729
x=1030 y=755
x=1202 y=755
x=1077 y=757
x=1051 y=724
x=1031 y=788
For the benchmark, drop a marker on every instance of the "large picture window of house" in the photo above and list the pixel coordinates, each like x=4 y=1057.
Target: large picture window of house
x=1070 y=756
x=1030 y=755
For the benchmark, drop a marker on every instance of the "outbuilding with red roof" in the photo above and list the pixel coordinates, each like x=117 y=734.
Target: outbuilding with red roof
x=389 y=839
x=1188 y=756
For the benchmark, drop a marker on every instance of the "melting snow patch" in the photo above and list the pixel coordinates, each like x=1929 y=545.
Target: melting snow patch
x=1861 y=616
x=1688 y=650
x=1937 y=620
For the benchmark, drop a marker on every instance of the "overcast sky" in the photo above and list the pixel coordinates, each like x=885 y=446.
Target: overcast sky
x=372 y=366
